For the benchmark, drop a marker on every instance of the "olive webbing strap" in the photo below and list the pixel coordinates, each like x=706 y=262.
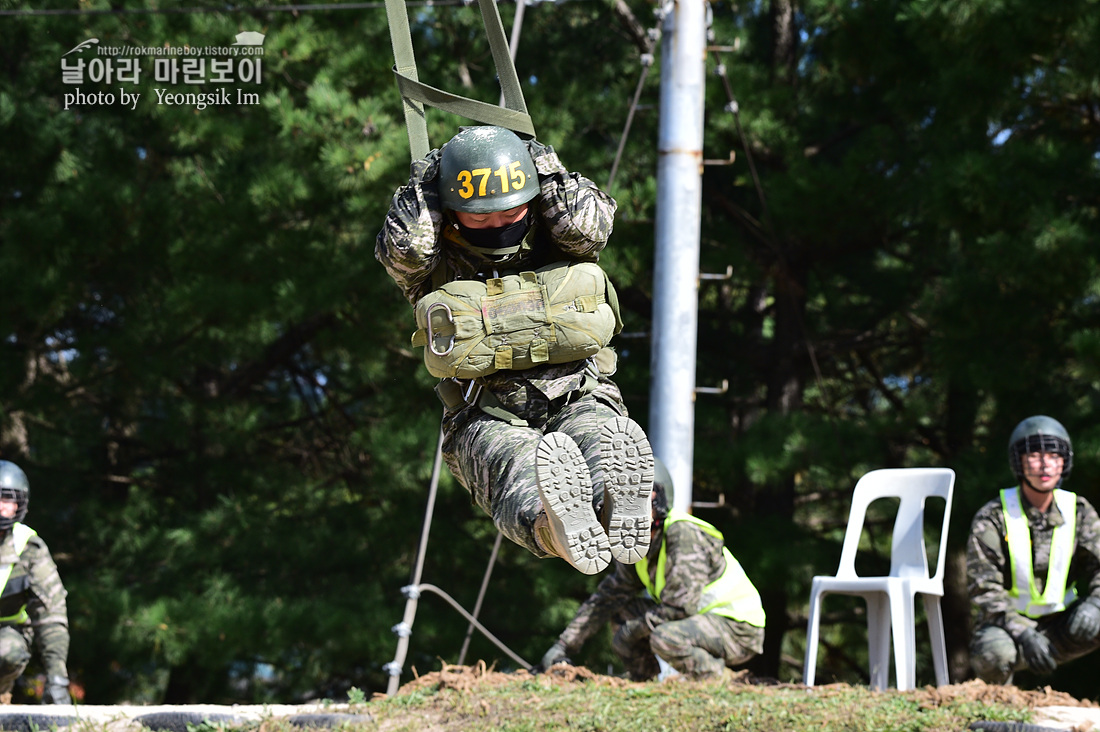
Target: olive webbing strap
x=502 y=57
x=489 y=114
x=405 y=67
x=415 y=94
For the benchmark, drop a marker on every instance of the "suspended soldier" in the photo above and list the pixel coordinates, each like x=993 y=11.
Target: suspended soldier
x=688 y=602
x=495 y=243
x=1033 y=562
x=32 y=604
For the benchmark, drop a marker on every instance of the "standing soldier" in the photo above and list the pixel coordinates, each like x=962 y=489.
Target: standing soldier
x=1033 y=562
x=32 y=604
x=689 y=602
x=496 y=230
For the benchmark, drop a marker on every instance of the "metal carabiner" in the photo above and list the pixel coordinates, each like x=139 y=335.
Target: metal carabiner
x=431 y=333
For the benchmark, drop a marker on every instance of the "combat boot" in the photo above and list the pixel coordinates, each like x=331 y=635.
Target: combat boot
x=570 y=529
x=627 y=460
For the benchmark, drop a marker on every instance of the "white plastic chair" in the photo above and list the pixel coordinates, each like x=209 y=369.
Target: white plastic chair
x=891 y=599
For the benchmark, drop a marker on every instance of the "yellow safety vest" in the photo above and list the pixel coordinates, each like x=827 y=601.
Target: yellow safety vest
x=21 y=534
x=1055 y=596
x=732 y=595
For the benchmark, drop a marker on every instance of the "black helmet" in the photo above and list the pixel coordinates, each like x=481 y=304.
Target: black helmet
x=14 y=487
x=486 y=169
x=1039 y=434
x=663 y=493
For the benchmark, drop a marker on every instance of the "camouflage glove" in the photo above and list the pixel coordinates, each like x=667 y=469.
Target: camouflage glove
x=545 y=159
x=1084 y=619
x=57 y=691
x=1037 y=651
x=633 y=631
x=426 y=168
x=556 y=654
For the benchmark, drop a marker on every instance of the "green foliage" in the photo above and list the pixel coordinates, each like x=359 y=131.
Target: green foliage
x=356 y=696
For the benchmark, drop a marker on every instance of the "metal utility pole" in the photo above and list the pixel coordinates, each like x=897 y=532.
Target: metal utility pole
x=676 y=264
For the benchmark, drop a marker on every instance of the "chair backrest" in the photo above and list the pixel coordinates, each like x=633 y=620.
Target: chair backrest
x=913 y=486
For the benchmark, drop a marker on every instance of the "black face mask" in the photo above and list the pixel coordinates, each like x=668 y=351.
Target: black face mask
x=498 y=237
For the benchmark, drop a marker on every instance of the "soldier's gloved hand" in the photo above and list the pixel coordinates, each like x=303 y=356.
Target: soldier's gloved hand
x=1037 y=651
x=556 y=654
x=57 y=691
x=426 y=168
x=1084 y=619
x=633 y=631
x=545 y=159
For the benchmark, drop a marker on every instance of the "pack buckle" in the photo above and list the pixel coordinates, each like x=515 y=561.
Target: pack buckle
x=431 y=333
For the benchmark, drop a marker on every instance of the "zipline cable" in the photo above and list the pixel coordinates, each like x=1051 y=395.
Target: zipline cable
x=652 y=38
x=214 y=10
x=229 y=9
x=735 y=109
x=771 y=240
x=482 y=628
x=480 y=598
x=404 y=628
x=647 y=64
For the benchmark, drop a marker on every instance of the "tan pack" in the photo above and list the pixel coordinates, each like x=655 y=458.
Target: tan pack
x=563 y=312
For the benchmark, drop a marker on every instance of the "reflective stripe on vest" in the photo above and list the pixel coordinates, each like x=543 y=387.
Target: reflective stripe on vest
x=732 y=595
x=1055 y=597
x=20 y=536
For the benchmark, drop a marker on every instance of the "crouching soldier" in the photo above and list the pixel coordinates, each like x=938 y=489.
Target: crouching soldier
x=688 y=602
x=32 y=604
x=1033 y=562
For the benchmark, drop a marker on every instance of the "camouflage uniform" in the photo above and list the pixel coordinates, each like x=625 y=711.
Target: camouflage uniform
x=993 y=649
x=698 y=646
x=494 y=458
x=34 y=583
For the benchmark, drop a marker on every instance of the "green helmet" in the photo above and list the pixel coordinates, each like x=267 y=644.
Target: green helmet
x=663 y=494
x=14 y=486
x=486 y=169
x=1039 y=434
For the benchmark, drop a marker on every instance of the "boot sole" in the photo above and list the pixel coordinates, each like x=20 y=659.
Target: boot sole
x=628 y=480
x=566 y=490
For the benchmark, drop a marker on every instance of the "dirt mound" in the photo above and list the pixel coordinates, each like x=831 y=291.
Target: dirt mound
x=1007 y=695
x=481 y=676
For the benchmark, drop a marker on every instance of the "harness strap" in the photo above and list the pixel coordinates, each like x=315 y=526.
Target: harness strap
x=450 y=393
x=489 y=114
x=415 y=94
x=492 y=406
x=502 y=57
x=405 y=68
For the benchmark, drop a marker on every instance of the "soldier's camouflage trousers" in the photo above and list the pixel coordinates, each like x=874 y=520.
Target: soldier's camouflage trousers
x=699 y=646
x=995 y=657
x=15 y=653
x=495 y=460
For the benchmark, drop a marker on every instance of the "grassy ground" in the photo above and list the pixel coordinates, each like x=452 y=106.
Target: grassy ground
x=473 y=698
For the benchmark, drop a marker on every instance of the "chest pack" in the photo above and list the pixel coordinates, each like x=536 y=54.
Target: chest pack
x=563 y=312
